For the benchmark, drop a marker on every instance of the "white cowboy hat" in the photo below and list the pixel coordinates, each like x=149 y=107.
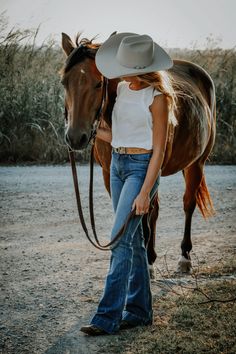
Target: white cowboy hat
x=130 y=54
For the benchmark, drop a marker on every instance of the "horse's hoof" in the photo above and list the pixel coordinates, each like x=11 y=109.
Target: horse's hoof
x=152 y=272
x=184 y=265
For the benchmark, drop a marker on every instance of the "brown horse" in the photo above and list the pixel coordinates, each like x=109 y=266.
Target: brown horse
x=189 y=142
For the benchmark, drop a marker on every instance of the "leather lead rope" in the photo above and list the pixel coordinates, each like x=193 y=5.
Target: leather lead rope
x=95 y=243
x=120 y=233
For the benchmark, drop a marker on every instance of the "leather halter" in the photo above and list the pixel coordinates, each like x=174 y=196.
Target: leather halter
x=99 y=111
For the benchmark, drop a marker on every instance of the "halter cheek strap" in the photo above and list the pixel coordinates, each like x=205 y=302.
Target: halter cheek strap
x=99 y=111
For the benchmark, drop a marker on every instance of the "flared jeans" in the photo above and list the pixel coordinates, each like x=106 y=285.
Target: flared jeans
x=127 y=294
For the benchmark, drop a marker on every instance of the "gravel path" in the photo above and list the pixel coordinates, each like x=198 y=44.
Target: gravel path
x=52 y=278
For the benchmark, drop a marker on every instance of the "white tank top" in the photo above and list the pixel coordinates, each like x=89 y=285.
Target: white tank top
x=131 y=117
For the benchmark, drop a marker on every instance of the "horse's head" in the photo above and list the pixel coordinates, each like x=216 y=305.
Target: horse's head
x=83 y=85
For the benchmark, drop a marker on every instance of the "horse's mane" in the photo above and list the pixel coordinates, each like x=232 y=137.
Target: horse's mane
x=85 y=48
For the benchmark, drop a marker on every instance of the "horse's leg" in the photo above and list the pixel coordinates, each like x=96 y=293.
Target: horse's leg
x=193 y=177
x=150 y=235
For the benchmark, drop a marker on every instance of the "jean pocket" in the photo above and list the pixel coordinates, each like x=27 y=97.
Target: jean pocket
x=140 y=158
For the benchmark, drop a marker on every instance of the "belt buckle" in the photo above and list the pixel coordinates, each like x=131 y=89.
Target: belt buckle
x=122 y=150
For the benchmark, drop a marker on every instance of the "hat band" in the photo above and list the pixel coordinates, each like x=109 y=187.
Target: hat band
x=139 y=67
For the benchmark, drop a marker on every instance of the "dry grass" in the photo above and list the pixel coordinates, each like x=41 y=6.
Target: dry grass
x=228 y=266
x=185 y=323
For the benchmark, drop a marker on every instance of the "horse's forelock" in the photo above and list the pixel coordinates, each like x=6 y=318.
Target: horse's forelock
x=84 y=49
x=85 y=41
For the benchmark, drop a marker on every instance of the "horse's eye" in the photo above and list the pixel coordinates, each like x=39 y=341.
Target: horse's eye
x=99 y=85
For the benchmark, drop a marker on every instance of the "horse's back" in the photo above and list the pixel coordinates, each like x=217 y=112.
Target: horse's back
x=193 y=136
x=195 y=77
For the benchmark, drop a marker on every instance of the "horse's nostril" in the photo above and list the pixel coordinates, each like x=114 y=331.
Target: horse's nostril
x=76 y=142
x=83 y=139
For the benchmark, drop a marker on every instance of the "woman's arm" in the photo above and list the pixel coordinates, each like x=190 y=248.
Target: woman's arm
x=159 y=110
x=104 y=134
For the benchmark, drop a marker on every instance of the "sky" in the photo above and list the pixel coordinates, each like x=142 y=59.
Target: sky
x=171 y=23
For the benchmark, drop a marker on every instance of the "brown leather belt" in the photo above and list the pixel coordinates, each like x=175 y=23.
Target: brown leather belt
x=130 y=150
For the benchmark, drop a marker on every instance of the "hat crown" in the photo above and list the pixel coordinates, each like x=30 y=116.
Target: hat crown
x=136 y=51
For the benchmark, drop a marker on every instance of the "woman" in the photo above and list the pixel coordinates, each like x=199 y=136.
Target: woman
x=138 y=138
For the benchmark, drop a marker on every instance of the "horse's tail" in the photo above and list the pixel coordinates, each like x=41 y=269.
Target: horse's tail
x=204 y=201
x=203 y=198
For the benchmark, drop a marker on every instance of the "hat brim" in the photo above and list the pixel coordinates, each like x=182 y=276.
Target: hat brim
x=109 y=66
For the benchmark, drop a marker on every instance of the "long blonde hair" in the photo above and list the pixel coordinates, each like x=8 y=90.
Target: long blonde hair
x=162 y=81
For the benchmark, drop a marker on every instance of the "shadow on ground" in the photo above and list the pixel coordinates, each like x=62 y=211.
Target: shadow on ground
x=75 y=342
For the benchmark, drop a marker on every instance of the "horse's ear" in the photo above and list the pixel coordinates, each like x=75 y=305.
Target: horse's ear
x=67 y=44
x=113 y=33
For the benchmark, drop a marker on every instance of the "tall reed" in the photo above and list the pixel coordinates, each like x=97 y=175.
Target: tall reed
x=32 y=98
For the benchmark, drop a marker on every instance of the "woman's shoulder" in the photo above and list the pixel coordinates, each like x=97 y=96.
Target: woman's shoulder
x=122 y=85
x=156 y=92
x=150 y=95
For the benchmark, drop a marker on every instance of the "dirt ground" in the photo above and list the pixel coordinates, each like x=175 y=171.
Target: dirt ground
x=52 y=278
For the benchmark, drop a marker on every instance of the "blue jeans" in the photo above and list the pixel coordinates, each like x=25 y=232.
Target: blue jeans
x=127 y=293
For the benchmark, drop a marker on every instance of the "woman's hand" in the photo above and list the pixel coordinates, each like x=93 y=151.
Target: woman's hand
x=141 y=204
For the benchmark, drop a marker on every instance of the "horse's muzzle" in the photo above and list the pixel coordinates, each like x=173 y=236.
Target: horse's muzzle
x=76 y=141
